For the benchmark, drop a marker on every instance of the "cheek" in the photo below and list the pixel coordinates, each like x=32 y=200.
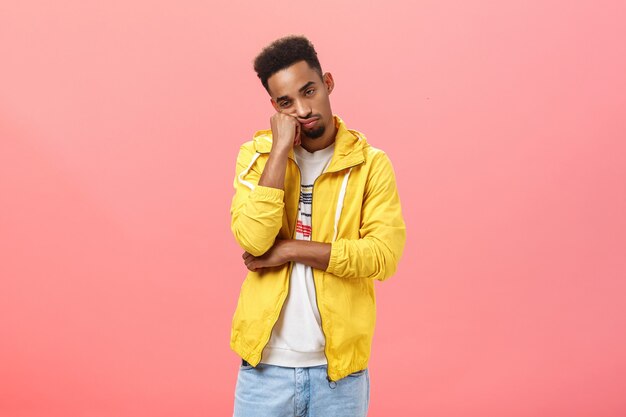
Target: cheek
x=323 y=103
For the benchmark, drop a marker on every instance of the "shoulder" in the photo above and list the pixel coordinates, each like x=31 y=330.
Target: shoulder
x=376 y=158
x=247 y=146
x=371 y=153
x=245 y=154
x=379 y=171
x=246 y=149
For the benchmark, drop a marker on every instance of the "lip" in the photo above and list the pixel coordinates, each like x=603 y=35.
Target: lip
x=308 y=122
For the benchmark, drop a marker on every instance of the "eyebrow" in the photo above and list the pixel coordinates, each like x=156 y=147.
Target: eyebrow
x=304 y=87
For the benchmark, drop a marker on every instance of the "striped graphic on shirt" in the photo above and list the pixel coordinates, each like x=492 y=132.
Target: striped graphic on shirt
x=306 y=194
x=303 y=225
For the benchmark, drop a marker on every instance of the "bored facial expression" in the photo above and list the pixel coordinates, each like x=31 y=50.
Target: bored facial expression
x=299 y=91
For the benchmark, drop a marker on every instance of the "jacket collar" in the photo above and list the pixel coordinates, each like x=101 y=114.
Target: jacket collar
x=349 y=146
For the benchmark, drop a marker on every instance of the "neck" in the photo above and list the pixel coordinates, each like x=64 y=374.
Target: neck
x=312 y=145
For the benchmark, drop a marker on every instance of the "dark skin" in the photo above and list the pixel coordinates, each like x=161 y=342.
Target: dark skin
x=303 y=117
x=313 y=254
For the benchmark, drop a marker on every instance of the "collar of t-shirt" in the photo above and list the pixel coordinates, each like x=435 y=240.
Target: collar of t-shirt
x=314 y=161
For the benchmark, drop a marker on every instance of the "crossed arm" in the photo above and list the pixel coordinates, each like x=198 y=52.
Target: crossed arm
x=375 y=255
x=313 y=254
x=257 y=214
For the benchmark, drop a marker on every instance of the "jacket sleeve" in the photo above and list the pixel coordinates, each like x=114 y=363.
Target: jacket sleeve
x=382 y=232
x=256 y=211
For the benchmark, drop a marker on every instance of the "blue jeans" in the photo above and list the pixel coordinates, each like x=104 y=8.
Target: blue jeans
x=276 y=391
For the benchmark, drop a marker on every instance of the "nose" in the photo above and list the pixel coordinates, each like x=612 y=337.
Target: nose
x=303 y=110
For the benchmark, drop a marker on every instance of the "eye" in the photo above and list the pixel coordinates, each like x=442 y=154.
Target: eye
x=284 y=104
x=309 y=92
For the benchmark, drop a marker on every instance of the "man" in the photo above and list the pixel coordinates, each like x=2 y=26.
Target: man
x=317 y=212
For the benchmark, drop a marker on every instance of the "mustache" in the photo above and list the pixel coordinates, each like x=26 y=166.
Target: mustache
x=310 y=116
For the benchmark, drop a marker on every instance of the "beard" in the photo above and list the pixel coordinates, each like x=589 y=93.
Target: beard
x=315 y=133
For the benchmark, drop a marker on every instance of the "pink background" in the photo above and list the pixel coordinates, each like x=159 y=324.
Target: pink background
x=120 y=122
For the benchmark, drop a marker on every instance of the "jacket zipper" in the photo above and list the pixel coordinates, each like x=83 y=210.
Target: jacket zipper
x=315 y=286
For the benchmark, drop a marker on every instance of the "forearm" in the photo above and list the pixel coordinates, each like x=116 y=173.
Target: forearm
x=274 y=172
x=313 y=254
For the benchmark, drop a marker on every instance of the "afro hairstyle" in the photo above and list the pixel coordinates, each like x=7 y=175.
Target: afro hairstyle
x=283 y=53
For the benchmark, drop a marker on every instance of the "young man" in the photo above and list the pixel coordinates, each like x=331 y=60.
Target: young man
x=317 y=212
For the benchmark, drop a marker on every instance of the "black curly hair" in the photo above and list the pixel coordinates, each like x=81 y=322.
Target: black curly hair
x=283 y=53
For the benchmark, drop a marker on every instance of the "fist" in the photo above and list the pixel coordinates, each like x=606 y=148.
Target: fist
x=285 y=131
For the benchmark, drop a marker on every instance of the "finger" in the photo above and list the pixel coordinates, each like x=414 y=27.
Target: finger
x=298 y=131
x=251 y=266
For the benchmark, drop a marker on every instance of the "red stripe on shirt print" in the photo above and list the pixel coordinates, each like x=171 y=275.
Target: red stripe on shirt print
x=304 y=230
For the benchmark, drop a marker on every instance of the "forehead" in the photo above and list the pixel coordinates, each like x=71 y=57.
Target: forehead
x=288 y=81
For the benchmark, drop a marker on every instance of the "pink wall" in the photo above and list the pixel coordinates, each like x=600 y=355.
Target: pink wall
x=506 y=122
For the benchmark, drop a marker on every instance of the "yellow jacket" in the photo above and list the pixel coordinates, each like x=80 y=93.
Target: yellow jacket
x=356 y=208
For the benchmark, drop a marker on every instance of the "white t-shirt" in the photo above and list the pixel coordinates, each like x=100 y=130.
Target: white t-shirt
x=297 y=339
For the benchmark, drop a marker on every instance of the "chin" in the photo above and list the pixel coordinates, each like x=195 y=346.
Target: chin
x=316 y=133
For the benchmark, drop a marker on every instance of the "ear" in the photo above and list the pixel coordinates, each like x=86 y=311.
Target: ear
x=328 y=82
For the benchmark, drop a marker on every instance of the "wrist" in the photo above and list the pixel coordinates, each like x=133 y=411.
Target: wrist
x=282 y=146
